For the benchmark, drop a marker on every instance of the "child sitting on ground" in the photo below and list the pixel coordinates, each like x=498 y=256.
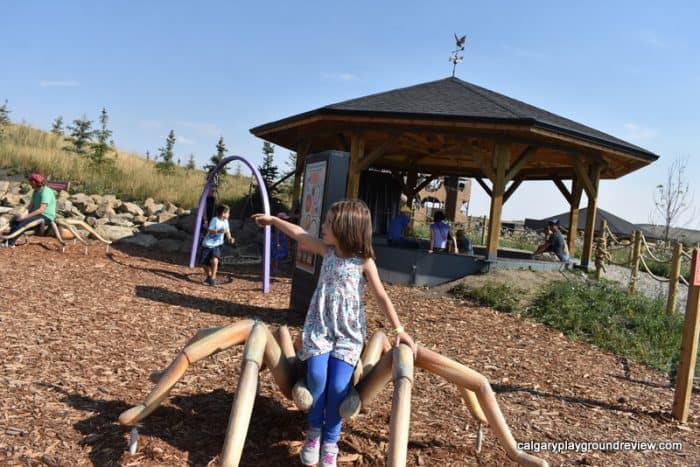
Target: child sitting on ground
x=211 y=251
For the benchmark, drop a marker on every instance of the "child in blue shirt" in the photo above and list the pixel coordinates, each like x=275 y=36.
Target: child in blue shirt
x=211 y=251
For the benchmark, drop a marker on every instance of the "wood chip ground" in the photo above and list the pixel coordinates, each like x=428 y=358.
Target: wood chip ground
x=80 y=335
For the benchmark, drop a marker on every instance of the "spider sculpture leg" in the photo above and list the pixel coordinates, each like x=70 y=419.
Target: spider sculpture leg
x=19 y=232
x=467 y=378
x=261 y=348
x=375 y=348
x=402 y=375
x=242 y=407
x=220 y=339
x=68 y=223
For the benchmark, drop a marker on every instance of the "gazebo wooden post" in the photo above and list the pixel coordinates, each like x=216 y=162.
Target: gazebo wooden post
x=452 y=192
x=501 y=160
x=357 y=152
x=576 y=191
x=573 y=197
x=590 y=182
x=411 y=182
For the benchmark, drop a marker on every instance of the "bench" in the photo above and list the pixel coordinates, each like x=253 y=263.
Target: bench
x=58 y=185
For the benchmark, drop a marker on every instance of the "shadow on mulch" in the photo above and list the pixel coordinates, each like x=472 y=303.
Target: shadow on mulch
x=193 y=424
x=227 y=272
x=505 y=388
x=152 y=253
x=221 y=307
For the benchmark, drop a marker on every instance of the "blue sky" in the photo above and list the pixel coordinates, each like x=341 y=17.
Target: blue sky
x=207 y=69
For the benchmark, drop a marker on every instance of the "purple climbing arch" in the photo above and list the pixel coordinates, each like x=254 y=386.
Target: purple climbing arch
x=266 y=209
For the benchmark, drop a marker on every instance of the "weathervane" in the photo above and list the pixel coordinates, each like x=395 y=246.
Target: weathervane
x=456 y=58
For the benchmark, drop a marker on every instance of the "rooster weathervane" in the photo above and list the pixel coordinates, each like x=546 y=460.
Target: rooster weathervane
x=455 y=57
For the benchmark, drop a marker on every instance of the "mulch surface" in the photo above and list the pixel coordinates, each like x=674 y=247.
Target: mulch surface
x=80 y=335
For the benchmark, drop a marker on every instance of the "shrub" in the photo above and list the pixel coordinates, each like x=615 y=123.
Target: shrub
x=601 y=314
x=502 y=297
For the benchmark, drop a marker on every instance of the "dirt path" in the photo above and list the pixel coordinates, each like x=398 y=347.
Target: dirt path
x=82 y=333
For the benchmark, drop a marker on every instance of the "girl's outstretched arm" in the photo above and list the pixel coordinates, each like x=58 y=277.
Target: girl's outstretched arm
x=308 y=241
x=375 y=284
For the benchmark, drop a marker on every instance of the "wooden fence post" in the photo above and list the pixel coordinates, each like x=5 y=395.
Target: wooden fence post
x=634 y=263
x=689 y=344
x=673 y=278
x=602 y=247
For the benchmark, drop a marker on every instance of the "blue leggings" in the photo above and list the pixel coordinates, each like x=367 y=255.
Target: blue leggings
x=328 y=380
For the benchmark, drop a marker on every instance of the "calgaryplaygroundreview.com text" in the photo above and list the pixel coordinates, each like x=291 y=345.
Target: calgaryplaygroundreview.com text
x=587 y=446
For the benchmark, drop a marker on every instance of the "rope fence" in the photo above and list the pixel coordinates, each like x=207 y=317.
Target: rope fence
x=640 y=253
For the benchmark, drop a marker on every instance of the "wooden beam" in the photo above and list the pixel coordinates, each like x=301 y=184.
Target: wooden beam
x=423 y=184
x=483 y=185
x=501 y=159
x=452 y=191
x=357 y=150
x=486 y=167
x=377 y=152
x=511 y=189
x=411 y=181
x=583 y=177
x=342 y=142
x=576 y=190
x=562 y=188
x=594 y=179
x=689 y=344
x=520 y=162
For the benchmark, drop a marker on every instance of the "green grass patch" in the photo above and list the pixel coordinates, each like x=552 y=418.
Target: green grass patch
x=502 y=297
x=601 y=314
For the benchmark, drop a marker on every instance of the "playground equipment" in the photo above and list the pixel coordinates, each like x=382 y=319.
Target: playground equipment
x=379 y=363
x=62 y=228
x=208 y=187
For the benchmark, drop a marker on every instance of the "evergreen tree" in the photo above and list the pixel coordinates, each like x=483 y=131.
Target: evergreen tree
x=4 y=118
x=101 y=148
x=218 y=157
x=268 y=169
x=80 y=135
x=148 y=155
x=166 y=165
x=57 y=126
x=190 y=164
x=287 y=187
x=268 y=172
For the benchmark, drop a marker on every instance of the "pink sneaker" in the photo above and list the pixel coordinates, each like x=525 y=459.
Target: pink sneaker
x=312 y=447
x=329 y=454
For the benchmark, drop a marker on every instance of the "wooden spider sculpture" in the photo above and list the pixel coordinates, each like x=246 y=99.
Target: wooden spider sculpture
x=62 y=229
x=379 y=364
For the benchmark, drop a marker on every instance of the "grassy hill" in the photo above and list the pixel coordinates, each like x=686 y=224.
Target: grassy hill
x=24 y=149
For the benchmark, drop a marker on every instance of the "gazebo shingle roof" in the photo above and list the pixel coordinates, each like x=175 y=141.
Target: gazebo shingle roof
x=454 y=98
x=451 y=127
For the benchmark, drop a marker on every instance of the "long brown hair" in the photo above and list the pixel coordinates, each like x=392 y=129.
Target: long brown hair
x=351 y=225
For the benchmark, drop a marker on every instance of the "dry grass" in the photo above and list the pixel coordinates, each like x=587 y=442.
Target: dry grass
x=24 y=148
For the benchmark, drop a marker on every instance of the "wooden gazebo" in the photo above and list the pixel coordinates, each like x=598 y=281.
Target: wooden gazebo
x=453 y=128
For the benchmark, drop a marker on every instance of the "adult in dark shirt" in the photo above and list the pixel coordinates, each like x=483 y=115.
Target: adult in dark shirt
x=554 y=243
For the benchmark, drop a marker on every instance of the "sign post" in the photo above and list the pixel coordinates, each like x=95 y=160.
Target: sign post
x=325 y=182
x=689 y=344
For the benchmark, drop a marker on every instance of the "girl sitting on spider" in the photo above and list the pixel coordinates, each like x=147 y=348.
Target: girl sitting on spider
x=334 y=330
x=211 y=251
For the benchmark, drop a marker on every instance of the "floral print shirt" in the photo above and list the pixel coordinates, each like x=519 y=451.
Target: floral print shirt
x=335 y=321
